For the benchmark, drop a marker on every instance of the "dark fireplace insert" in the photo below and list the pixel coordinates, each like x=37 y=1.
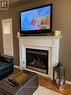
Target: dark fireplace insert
x=37 y=60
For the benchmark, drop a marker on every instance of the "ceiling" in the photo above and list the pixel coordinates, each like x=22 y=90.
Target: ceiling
x=14 y=3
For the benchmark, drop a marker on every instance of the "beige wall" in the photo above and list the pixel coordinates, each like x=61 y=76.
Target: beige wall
x=61 y=21
x=5 y=15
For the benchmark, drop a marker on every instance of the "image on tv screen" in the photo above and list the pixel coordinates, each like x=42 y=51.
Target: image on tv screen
x=36 y=19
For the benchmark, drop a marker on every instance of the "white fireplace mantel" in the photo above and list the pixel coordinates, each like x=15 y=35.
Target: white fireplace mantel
x=50 y=43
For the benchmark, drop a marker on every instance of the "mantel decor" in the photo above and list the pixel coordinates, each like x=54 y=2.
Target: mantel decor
x=59 y=75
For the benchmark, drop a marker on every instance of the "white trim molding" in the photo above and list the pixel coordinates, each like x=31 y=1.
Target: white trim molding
x=68 y=82
x=16 y=66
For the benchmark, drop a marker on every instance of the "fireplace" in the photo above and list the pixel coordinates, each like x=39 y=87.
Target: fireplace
x=37 y=60
x=48 y=46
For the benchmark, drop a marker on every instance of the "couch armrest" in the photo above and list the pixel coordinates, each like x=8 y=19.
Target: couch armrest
x=6 y=59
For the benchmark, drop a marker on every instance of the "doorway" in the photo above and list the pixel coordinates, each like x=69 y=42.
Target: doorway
x=7 y=37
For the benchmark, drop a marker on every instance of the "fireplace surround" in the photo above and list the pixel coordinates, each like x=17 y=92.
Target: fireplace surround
x=46 y=43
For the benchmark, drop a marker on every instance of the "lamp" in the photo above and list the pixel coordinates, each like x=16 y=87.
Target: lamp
x=59 y=75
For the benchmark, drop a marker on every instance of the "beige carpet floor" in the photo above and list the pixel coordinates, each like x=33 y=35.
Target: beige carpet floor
x=44 y=91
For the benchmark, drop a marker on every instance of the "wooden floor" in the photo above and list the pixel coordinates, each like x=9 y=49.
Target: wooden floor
x=66 y=90
x=46 y=82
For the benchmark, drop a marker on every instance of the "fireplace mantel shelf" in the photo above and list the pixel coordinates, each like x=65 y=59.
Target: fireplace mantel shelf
x=34 y=37
x=50 y=43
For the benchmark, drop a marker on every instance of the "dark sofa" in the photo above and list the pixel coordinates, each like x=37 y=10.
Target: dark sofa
x=6 y=66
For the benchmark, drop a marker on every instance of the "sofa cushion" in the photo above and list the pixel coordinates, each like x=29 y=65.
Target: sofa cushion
x=1 y=63
x=6 y=66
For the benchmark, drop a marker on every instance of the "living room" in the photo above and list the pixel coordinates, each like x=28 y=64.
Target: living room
x=60 y=21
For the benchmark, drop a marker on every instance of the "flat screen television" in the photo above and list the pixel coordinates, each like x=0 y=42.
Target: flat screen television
x=36 y=20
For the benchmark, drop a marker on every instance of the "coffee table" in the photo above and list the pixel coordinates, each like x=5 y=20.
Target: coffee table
x=26 y=87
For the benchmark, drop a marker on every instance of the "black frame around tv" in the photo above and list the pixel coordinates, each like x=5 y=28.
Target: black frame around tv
x=35 y=31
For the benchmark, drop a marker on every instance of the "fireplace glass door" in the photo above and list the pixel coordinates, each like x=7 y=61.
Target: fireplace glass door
x=37 y=60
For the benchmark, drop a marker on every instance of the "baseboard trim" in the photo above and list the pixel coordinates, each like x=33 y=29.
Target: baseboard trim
x=68 y=82
x=16 y=66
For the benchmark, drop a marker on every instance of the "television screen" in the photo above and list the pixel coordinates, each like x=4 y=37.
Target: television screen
x=37 y=20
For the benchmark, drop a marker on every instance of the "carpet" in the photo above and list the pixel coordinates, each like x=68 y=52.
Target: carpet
x=44 y=91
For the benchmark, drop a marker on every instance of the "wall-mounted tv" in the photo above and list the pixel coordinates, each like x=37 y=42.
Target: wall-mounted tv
x=36 y=20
